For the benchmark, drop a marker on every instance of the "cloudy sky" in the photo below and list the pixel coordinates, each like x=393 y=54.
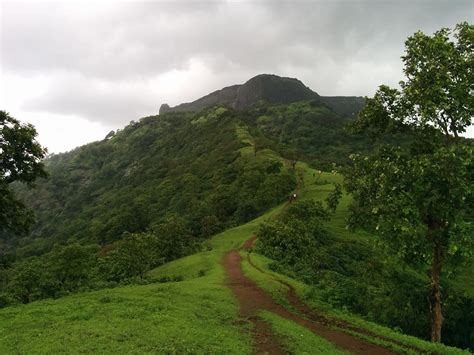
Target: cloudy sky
x=78 y=69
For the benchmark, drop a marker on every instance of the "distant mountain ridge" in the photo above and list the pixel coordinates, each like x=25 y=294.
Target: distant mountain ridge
x=271 y=89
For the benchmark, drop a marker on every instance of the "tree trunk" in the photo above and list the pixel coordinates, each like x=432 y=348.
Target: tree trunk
x=435 y=296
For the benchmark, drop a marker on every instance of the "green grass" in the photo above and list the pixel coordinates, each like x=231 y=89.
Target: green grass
x=297 y=339
x=185 y=317
x=317 y=186
x=197 y=315
x=276 y=289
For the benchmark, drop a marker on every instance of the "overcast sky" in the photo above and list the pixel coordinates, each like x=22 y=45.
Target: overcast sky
x=78 y=69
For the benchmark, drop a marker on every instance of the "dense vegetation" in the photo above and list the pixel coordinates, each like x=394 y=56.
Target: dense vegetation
x=160 y=166
x=358 y=276
x=114 y=209
x=311 y=132
x=20 y=161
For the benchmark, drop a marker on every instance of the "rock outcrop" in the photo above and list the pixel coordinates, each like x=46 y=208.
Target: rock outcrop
x=165 y=108
x=268 y=88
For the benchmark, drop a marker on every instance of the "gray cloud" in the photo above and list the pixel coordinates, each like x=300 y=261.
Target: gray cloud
x=99 y=101
x=110 y=62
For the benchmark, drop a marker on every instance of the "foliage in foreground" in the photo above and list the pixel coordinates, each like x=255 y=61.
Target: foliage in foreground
x=75 y=268
x=20 y=161
x=419 y=198
x=357 y=276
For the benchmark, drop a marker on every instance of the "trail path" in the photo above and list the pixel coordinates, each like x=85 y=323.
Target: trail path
x=252 y=299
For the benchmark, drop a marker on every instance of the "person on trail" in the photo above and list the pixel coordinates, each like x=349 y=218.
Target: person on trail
x=292 y=197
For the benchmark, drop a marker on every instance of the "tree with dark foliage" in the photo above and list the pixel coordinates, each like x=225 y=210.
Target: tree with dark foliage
x=20 y=160
x=418 y=198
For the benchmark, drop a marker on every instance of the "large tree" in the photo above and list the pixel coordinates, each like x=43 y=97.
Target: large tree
x=20 y=160
x=418 y=197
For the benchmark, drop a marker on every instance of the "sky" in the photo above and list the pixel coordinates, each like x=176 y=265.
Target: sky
x=79 y=69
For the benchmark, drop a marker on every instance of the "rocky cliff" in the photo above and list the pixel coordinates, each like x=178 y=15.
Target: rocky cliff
x=271 y=89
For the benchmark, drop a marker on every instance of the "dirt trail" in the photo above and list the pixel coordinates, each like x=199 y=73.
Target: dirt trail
x=310 y=314
x=252 y=299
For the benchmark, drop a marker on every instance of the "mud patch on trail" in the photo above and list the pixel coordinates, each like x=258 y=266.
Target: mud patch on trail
x=265 y=340
x=249 y=242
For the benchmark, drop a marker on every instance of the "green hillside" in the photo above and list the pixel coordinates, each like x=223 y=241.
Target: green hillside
x=188 y=164
x=128 y=251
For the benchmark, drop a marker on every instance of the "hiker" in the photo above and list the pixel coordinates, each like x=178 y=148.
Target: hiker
x=292 y=197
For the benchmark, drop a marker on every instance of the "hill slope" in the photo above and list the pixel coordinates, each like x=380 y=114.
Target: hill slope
x=175 y=163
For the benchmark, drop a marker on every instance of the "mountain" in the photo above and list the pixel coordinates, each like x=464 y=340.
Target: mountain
x=271 y=89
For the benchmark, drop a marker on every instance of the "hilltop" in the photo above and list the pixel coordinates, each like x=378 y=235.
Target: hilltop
x=270 y=89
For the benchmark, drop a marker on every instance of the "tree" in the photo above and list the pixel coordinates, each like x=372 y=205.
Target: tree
x=209 y=225
x=332 y=200
x=29 y=281
x=133 y=256
x=295 y=237
x=174 y=239
x=418 y=197
x=73 y=265
x=20 y=160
